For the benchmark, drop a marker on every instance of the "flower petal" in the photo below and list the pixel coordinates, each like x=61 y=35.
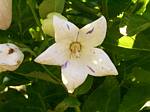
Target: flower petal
x=73 y=75
x=64 y=30
x=10 y=57
x=99 y=64
x=94 y=33
x=5 y=13
x=55 y=55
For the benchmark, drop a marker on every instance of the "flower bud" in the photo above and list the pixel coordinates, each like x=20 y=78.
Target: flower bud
x=47 y=24
x=10 y=57
x=5 y=14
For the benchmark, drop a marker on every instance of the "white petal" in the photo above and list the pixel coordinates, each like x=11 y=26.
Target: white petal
x=55 y=55
x=64 y=30
x=94 y=33
x=73 y=74
x=5 y=13
x=10 y=57
x=100 y=64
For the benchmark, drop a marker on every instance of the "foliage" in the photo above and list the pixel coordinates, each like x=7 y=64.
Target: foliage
x=44 y=92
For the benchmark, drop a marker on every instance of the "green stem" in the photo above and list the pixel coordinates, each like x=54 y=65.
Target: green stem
x=105 y=7
x=78 y=5
x=19 y=18
x=77 y=109
x=42 y=46
x=42 y=103
x=29 y=2
x=26 y=75
x=51 y=75
x=29 y=51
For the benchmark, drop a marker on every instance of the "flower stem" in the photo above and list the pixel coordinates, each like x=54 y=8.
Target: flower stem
x=77 y=109
x=29 y=2
x=51 y=75
x=78 y=5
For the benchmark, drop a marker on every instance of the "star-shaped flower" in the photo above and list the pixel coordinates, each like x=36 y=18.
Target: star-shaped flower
x=10 y=57
x=75 y=52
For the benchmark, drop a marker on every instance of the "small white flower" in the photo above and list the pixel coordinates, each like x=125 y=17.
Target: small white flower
x=10 y=57
x=74 y=51
x=5 y=14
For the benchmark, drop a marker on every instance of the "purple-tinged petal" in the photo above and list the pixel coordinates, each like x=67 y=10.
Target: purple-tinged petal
x=64 y=30
x=73 y=75
x=91 y=69
x=93 y=34
x=99 y=63
x=90 y=31
x=65 y=65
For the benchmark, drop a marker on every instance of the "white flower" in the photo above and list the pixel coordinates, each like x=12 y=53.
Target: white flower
x=74 y=51
x=5 y=14
x=10 y=57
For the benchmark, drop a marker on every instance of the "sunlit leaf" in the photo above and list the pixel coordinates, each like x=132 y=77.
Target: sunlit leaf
x=48 y=6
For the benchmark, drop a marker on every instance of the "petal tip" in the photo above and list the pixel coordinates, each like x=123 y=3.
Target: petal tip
x=37 y=60
x=70 y=91
x=115 y=72
x=102 y=18
x=42 y=59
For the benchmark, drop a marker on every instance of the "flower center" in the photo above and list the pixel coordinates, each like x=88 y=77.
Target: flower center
x=75 y=48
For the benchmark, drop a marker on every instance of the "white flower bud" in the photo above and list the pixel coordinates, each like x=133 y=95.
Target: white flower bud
x=5 y=14
x=47 y=24
x=10 y=57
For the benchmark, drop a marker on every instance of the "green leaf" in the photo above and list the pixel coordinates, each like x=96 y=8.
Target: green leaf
x=85 y=87
x=45 y=94
x=48 y=6
x=147 y=12
x=138 y=23
x=140 y=6
x=112 y=8
x=12 y=101
x=39 y=75
x=11 y=79
x=135 y=99
x=140 y=76
x=105 y=98
x=126 y=41
x=142 y=40
x=67 y=102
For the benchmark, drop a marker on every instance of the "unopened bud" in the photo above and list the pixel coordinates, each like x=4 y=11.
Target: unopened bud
x=10 y=57
x=47 y=24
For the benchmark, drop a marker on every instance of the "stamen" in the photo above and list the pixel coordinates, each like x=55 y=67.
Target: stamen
x=75 y=48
